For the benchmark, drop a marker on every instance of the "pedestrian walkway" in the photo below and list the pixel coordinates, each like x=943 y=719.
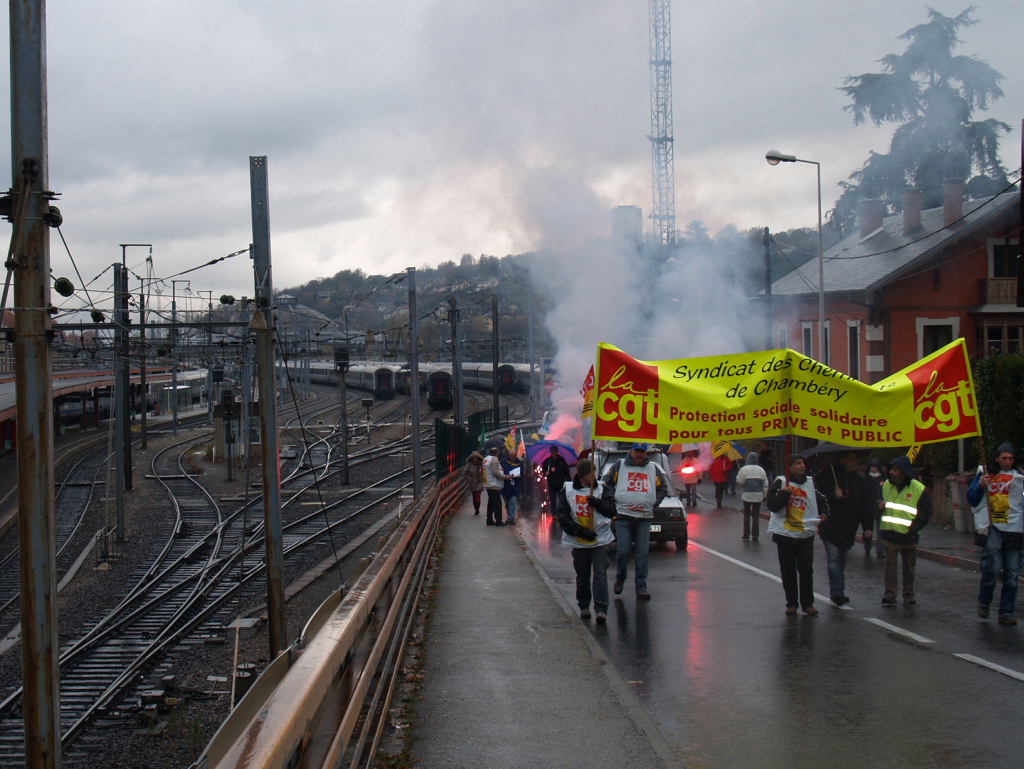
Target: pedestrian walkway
x=512 y=676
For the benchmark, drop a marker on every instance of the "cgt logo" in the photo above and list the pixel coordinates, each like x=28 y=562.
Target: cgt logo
x=627 y=400
x=944 y=404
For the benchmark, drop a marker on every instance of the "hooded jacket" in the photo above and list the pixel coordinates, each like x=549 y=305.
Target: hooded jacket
x=475 y=471
x=752 y=480
x=891 y=492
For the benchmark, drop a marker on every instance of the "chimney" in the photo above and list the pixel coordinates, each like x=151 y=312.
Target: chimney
x=952 y=201
x=911 y=210
x=870 y=217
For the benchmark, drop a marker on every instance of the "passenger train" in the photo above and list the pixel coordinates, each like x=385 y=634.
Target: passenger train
x=386 y=379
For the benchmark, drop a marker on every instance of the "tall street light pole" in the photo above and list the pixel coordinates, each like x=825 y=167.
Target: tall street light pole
x=774 y=157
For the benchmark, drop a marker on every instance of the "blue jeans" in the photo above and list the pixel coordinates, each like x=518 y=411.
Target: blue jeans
x=836 y=556
x=632 y=532
x=996 y=557
x=510 y=508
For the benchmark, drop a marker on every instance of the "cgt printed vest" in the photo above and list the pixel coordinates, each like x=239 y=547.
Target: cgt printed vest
x=587 y=516
x=636 y=490
x=801 y=512
x=1005 y=499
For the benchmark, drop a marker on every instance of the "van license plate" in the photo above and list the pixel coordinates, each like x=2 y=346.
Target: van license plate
x=656 y=527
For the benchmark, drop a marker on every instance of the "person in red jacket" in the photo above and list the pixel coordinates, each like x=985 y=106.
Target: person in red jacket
x=719 y=471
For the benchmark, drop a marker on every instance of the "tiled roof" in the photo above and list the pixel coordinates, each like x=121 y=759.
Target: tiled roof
x=855 y=265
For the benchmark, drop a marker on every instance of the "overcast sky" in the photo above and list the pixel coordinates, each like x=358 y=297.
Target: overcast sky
x=407 y=132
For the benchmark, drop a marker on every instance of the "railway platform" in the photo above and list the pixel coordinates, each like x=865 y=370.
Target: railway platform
x=512 y=676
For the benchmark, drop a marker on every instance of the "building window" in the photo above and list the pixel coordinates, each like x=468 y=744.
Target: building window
x=999 y=340
x=827 y=338
x=783 y=337
x=935 y=338
x=807 y=332
x=1004 y=258
x=935 y=333
x=854 y=350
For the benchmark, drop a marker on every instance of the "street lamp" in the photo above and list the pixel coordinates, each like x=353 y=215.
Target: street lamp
x=774 y=157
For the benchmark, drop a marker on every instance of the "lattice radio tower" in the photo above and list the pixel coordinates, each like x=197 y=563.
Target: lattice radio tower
x=661 y=138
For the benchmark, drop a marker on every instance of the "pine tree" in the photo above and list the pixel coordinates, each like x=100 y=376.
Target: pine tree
x=932 y=94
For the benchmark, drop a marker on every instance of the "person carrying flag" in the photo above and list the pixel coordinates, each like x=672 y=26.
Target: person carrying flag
x=585 y=511
x=1001 y=492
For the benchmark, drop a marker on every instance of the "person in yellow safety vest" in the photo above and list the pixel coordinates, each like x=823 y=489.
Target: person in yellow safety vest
x=906 y=509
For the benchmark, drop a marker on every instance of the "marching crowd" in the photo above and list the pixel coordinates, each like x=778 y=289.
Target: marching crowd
x=888 y=507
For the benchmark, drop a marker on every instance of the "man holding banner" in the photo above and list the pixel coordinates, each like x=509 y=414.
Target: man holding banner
x=797 y=509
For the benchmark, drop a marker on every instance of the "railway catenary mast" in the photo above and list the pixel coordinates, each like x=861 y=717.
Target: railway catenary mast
x=661 y=137
x=29 y=255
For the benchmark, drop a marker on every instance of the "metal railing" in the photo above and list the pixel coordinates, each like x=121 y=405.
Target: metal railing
x=324 y=701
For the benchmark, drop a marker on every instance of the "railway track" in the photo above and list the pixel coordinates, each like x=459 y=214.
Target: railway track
x=210 y=560
x=210 y=563
x=76 y=491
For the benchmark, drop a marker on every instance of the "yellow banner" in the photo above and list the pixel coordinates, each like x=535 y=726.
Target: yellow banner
x=780 y=392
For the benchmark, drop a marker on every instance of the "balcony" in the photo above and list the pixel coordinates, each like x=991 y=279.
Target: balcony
x=998 y=290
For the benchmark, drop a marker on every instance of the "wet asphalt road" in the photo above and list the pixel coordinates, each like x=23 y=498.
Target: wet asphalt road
x=734 y=682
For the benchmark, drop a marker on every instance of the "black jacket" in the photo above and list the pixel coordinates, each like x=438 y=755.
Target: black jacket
x=556 y=470
x=848 y=513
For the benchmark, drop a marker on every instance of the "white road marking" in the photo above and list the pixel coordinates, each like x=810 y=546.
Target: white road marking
x=756 y=570
x=874 y=620
x=991 y=666
x=906 y=633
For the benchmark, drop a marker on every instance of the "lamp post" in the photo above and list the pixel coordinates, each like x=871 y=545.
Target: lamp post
x=774 y=157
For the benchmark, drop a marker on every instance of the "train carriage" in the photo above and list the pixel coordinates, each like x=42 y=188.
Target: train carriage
x=440 y=390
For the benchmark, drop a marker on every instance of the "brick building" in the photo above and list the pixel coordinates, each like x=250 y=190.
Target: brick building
x=903 y=286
